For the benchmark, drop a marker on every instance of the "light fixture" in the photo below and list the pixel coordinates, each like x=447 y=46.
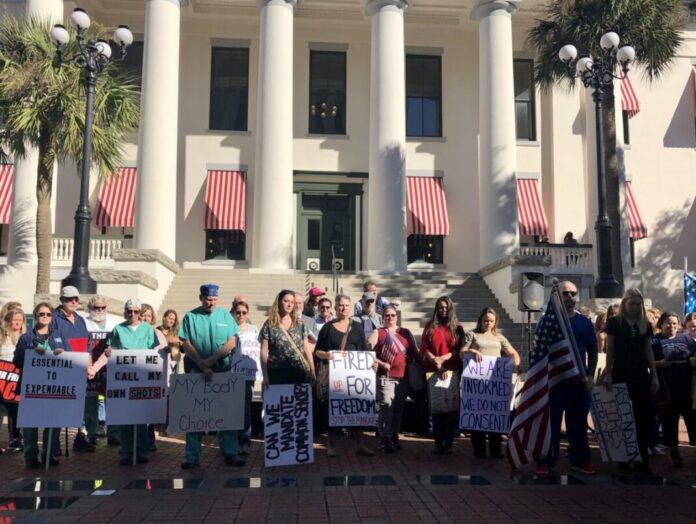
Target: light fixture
x=103 y=48
x=59 y=35
x=123 y=36
x=80 y=18
x=625 y=54
x=609 y=41
x=568 y=53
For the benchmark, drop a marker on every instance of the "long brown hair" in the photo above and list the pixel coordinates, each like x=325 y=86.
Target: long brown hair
x=175 y=328
x=274 y=315
x=451 y=324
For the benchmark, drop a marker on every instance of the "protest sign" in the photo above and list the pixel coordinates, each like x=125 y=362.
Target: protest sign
x=486 y=394
x=443 y=392
x=53 y=390
x=97 y=385
x=352 y=389
x=248 y=361
x=9 y=378
x=287 y=423
x=615 y=427
x=136 y=391
x=196 y=405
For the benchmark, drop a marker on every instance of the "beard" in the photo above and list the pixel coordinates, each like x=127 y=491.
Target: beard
x=98 y=316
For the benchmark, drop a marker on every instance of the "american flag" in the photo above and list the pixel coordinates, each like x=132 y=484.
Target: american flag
x=689 y=293
x=552 y=361
x=390 y=348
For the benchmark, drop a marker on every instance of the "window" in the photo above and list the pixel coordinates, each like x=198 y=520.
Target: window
x=626 y=132
x=224 y=244
x=423 y=95
x=525 y=113
x=229 y=89
x=327 y=92
x=425 y=248
x=133 y=62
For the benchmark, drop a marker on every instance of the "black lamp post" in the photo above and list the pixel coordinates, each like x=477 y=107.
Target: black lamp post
x=598 y=74
x=92 y=56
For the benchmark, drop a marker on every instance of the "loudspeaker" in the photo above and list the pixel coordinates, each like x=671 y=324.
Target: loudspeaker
x=530 y=296
x=313 y=264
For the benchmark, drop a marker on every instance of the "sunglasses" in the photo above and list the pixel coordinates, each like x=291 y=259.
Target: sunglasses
x=240 y=312
x=133 y=312
x=49 y=315
x=570 y=293
x=99 y=308
x=71 y=299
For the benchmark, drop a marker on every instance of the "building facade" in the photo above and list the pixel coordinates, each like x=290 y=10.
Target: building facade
x=380 y=135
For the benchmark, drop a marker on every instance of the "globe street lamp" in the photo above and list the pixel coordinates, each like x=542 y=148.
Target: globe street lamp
x=598 y=73
x=92 y=56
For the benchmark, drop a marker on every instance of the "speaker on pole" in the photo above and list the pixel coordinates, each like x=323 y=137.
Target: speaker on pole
x=530 y=296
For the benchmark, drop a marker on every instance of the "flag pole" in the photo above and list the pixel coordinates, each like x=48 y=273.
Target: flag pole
x=560 y=306
x=48 y=447
x=135 y=444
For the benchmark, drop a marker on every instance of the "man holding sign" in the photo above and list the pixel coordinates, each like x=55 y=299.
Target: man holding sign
x=208 y=338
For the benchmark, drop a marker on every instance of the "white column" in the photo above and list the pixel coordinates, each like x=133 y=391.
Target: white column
x=386 y=223
x=497 y=144
x=155 y=212
x=51 y=9
x=274 y=227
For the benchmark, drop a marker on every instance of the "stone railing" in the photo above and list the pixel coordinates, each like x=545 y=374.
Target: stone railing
x=563 y=258
x=100 y=249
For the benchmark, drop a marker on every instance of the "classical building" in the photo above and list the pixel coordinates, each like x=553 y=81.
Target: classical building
x=384 y=135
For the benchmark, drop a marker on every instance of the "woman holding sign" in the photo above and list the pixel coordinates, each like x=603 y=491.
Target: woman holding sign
x=442 y=338
x=341 y=334
x=133 y=334
x=485 y=340
x=13 y=327
x=247 y=337
x=393 y=346
x=37 y=340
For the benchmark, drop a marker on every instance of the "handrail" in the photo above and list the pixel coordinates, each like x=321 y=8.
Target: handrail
x=100 y=249
x=561 y=255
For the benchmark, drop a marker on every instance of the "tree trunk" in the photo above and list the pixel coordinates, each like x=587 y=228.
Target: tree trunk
x=613 y=185
x=44 y=237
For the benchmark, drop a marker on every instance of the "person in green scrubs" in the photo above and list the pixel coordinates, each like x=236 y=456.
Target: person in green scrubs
x=132 y=334
x=208 y=338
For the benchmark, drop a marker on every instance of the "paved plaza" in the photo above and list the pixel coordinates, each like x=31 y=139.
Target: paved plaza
x=411 y=486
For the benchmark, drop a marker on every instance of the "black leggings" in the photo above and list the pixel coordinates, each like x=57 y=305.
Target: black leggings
x=11 y=408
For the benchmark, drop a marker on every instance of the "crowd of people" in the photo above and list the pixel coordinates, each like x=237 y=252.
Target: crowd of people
x=652 y=352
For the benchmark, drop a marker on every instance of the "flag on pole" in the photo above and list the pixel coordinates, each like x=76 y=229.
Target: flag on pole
x=552 y=362
x=689 y=293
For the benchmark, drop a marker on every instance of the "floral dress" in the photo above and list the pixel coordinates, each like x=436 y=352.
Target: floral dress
x=286 y=363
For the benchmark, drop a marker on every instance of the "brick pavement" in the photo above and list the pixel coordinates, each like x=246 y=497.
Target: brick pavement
x=410 y=486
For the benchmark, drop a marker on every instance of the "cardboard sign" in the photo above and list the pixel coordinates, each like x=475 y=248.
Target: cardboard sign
x=9 y=379
x=615 y=427
x=248 y=361
x=97 y=385
x=486 y=393
x=196 y=405
x=53 y=390
x=352 y=389
x=136 y=390
x=288 y=430
x=443 y=392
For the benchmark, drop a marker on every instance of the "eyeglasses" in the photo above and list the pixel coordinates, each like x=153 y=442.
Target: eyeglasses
x=49 y=315
x=98 y=308
x=570 y=293
x=240 y=312
x=133 y=312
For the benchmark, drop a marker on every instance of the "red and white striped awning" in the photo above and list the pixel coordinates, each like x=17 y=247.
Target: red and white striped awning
x=6 y=180
x=636 y=226
x=225 y=200
x=427 y=208
x=116 y=201
x=629 y=99
x=530 y=212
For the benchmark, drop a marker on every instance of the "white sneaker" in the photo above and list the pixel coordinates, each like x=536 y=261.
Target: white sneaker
x=656 y=450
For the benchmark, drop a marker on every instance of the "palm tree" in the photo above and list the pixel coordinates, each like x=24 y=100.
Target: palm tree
x=42 y=104
x=652 y=27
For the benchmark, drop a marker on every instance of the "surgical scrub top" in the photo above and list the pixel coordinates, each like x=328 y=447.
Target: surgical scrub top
x=125 y=337
x=208 y=332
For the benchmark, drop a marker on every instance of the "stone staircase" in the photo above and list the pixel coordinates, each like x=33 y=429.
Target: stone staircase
x=416 y=291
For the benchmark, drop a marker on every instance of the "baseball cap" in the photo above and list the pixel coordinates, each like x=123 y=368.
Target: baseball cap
x=209 y=290
x=368 y=296
x=316 y=292
x=69 y=292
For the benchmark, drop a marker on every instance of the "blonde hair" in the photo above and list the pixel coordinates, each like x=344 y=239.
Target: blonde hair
x=148 y=307
x=274 y=315
x=641 y=319
x=5 y=332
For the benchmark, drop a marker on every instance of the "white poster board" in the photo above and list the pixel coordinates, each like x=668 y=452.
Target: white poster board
x=485 y=395
x=196 y=405
x=136 y=387
x=248 y=361
x=53 y=390
x=352 y=389
x=287 y=424
x=615 y=427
